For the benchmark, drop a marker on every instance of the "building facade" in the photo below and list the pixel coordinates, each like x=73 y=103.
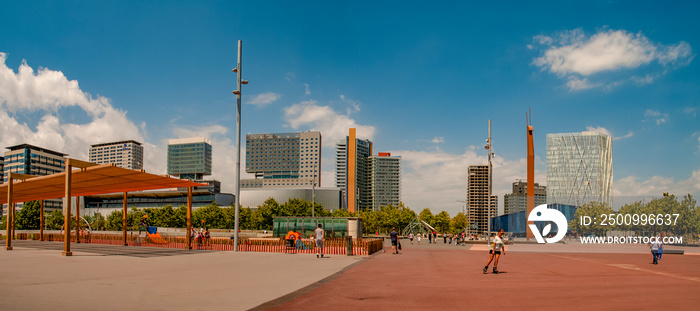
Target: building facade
x=329 y=198
x=517 y=200
x=125 y=154
x=32 y=160
x=385 y=176
x=579 y=168
x=105 y=204
x=480 y=207
x=281 y=160
x=352 y=171
x=189 y=158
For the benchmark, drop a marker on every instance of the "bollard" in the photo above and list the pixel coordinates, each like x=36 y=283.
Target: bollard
x=349 y=242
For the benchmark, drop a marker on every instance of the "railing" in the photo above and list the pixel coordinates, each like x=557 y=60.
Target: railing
x=331 y=246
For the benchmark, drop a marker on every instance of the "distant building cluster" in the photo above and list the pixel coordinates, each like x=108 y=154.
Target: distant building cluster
x=367 y=181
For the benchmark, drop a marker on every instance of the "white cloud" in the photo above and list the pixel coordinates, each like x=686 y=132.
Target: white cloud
x=308 y=115
x=657 y=116
x=657 y=185
x=438 y=140
x=264 y=99
x=574 y=55
x=437 y=179
x=605 y=131
x=50 y=92
x=307 y=91
x=578 y=84
x=691 y=111
x=353 y=105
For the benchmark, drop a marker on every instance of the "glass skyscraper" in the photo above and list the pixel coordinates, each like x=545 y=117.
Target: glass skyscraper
x=579 y=168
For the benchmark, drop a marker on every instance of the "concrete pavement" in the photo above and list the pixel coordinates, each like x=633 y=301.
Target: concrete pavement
x=34 y=276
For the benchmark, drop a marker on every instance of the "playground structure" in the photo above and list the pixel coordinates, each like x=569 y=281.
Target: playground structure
x=88 y=179
x=417 y=225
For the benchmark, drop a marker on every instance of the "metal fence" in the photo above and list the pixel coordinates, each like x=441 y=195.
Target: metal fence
x=331 y=246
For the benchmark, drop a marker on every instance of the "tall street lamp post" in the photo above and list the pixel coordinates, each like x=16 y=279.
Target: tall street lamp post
x=238 y=70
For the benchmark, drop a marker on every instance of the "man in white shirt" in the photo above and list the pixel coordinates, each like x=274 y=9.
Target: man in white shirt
x=319 y=240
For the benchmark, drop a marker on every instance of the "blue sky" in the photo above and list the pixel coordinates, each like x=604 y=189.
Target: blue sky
x=420 y=80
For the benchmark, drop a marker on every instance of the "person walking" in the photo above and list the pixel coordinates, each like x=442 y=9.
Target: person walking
x=319 y=240
x=410 y=237
x=394 y=241
x=655 y=246
x=430 y=238
x=419 y=236
x=495 y=251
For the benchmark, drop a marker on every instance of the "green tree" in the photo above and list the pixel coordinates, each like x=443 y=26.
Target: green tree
x=209 y=216
x=594 y=210
x=262 y=217
x=55 y=220
x=27 y=218
x=342 y=213
x=442 y=221
x=458 y=223
x=114 y=221
x=427 y=216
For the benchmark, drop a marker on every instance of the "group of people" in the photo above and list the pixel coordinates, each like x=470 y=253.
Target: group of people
x=448 y=238
x=202 y=237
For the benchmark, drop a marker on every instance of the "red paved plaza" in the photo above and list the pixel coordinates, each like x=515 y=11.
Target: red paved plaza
x=424 y=278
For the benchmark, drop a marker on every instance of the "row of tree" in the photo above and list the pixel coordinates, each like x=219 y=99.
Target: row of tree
x=655 y=216
x=214 y=216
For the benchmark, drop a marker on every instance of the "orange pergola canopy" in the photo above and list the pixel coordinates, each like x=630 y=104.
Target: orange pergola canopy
x=98 y=179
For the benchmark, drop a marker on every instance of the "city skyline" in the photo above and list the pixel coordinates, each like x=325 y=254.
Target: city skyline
x=420 y=82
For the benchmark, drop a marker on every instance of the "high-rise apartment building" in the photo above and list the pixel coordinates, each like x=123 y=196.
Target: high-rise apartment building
x=517 y=200
x=283 y=160
x=480 y=207
x=189 y=158
x=125 y=154
x=579 y=168
x=385 y=176
x=352 y=171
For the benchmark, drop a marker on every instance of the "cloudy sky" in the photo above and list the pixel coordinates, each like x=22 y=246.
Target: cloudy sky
x=421 y=81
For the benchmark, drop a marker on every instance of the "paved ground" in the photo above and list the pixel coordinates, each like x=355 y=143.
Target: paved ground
x=440 y=277
x=34 y=276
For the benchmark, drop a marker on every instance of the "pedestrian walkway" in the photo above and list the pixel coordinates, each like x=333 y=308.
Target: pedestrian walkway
x=433 y=277
x=110 y=277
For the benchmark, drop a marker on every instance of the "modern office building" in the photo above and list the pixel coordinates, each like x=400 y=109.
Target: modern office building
x=189 y=158
x=385 y=176
x=32 y=160
x=352 y=171
x=105 y=204
x=517 y=200
x=2 y=166
x=125 y=154
x=579 y=168
x=480 y=207
x=329 y=198
x=283 y=160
